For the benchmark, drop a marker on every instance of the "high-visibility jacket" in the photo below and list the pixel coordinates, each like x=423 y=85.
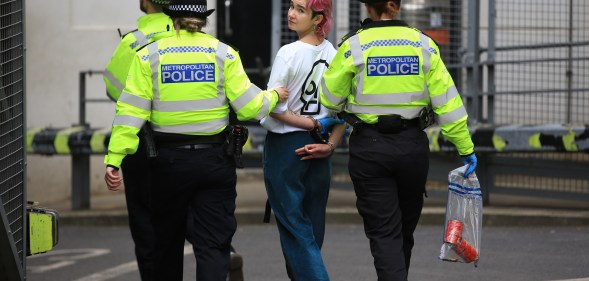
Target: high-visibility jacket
x=150 y=27
x=184 y=85
x=390 y=68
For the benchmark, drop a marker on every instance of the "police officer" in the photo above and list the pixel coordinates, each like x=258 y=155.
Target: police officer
x=383 y=76
x=184 y=85
x=152 y=26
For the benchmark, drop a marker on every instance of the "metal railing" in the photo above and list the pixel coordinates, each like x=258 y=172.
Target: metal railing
x=81 y=161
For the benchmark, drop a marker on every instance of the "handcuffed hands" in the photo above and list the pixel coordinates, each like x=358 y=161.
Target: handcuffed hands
x=314 y=150
x=327 y=123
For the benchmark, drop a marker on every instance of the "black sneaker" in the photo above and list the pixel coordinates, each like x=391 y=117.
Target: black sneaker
x=236 y=267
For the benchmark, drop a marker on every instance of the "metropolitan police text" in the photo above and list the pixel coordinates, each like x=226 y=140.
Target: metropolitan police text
x=395 y=65
x=197 y=72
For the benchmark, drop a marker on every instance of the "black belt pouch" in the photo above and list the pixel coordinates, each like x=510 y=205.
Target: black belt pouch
x=389 y=124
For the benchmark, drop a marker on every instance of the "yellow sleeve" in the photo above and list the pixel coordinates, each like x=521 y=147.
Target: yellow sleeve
x=448 y=106
x=116 y=71
x=247 y=100
x=131 y=113
x=338 y=80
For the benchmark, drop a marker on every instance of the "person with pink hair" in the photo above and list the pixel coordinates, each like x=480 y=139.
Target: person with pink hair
x=298 y=190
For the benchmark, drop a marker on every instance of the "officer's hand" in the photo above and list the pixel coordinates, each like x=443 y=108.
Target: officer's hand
x=282 y=94
x=471 y=161
x=328 y=122
x=112 y=178
x=315 y=150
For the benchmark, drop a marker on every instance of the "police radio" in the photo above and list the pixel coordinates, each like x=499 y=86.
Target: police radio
x=236 y=139
x=427 y=117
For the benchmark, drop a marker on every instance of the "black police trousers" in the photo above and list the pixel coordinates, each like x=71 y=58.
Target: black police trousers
x=137 y=179
x=202 y=182
x=389 y=173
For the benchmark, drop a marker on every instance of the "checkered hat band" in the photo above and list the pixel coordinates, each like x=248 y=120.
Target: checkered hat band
x=189 y=8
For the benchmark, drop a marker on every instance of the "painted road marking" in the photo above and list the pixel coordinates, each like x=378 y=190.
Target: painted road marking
x=63 y=258
x=53 y=266
x=120 y=270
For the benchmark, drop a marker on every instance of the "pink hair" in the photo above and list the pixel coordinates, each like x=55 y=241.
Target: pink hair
x=323 y=7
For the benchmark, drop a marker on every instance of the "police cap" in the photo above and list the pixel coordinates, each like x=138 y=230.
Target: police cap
x=188 y=9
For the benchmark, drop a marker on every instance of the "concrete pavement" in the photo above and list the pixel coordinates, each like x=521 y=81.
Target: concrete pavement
x=110 y=209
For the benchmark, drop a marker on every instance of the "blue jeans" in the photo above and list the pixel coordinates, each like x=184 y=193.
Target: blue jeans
x=298 y=192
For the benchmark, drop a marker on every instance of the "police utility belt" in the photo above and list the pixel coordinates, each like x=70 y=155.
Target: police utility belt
x=232 y=139
x=392 y=124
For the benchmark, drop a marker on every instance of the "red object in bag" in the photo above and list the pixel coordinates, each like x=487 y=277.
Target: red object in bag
x=453 y=231
x=466 y=251
x=464 y=213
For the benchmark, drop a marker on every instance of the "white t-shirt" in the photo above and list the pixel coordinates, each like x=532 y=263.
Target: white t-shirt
x=299 y=67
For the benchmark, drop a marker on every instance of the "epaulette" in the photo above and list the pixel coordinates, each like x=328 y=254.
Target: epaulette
x=368 y=23
x=139 y=49
x=233 y=47
x=230 y=45
x=418 y=30
x=153 y=40
x=123 y=36
x=355 y=31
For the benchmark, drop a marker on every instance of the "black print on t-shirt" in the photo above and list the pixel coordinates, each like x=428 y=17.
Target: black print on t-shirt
x=310 y=90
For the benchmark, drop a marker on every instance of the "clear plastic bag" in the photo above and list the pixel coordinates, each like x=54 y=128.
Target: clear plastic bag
x=464 y=214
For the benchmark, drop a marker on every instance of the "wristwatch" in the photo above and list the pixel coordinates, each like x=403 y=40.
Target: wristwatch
x=331 y=146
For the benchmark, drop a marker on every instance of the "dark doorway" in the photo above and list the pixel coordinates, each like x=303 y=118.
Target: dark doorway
x=246 y=25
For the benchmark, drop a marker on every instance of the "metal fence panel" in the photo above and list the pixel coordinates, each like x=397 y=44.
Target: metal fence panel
x=12 y=123
x=542 y=62
x=537 y=75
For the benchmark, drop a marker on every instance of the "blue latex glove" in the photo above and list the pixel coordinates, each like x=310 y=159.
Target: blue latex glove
x=471 y=160
x=348 y=130
x=327 y=123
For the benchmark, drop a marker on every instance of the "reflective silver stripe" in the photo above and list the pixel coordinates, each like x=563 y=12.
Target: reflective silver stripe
x=445 y=97
x=140 y=37
x=210 y=126
x=246 y=97
x=425 y=89
x=396 y=98
x=135 y=101
x=265 y=108
x=221 y=55
x=187 y=105
x=426 y=61
x=408 y=113
x=114 y=81
x=327 y=94
x=452 y=116
x=128 y=120
x=154 y=62
x=425 y=53
x=358 y=57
